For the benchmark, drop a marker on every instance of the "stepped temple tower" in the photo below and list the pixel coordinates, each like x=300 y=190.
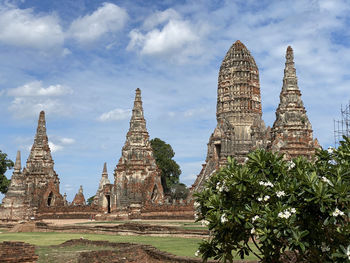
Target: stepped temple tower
x=137 y=177
x=240 y=127
x=101 y=199
x=37 y=185
x=292 y=131
x=79 y=198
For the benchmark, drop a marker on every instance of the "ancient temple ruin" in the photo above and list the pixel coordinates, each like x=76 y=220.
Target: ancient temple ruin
x=240 y=128
x=137 y=178
x=79 y=198
x=37 y=185
x=292 y=132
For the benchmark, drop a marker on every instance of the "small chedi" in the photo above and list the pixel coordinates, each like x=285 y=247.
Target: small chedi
x=137 y=178
x=240 y=128
x=37 y=185
x=79 y=198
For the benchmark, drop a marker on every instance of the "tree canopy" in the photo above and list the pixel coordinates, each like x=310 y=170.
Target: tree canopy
x=295 y=211
x=170 y=170
x=5 y=164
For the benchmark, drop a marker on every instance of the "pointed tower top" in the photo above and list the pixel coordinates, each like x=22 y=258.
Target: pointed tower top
x=104 y=171
x=239 y=45
x=17 y=167
x=104 y=168
x=137 y=122
x=289 y=55
x=81 y=189
x=40 y=152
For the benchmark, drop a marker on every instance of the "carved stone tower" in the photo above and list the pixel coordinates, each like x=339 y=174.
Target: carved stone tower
x=102 y=198
x=240 y=127
x=292 y=131
x=137 y=177
x=37 y=185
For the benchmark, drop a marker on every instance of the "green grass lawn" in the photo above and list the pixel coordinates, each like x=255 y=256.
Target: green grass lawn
x=175 y=245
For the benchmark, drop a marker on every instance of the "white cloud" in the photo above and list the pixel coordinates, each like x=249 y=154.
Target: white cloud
x=31 y=98
x=55 y=147
x=109 y=18
x=35 y=88
x=170 y=36
x=159 y=18
x=23 y=28
x=67 y=141
x=23 y=107
x=115 y=115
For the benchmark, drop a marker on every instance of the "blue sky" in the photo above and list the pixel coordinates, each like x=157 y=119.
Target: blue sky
x=81 y=62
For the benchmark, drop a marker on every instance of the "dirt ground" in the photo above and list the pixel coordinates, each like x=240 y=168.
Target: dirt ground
x=75 y=221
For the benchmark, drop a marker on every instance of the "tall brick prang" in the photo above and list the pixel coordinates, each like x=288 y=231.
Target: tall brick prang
x=292 y=131
x=240 y=127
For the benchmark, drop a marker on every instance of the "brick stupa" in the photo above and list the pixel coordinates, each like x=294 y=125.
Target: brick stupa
x=292 y=131
x=137 y=177
x=240 y=127
x=37 y=185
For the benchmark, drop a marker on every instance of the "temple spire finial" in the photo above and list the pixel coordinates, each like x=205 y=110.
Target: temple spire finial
x=18 y=167
x=104 y=171
x=40 y=152
x=289 y=55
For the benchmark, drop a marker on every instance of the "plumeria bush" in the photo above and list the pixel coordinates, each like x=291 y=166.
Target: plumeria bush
x=298 y=206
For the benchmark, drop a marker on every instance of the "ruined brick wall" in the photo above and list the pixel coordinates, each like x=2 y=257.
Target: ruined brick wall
x=67 y=212
x=17 y=252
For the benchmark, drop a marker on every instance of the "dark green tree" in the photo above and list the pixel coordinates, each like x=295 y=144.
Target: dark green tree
x=171 y=171
x=179 y=191
x=5 y=164
x=90 y=200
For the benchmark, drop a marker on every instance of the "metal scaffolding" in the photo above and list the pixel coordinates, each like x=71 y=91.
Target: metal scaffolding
x=342 y=127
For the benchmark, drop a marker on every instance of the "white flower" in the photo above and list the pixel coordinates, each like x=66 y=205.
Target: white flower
x=268 y=183
x=330 y=150
x=221 y=187
x=223 y=219
x=348 y=252
x=259 y=199
x=287 y=213
x=196 y=216
x=337 y=212
x=196 y=205
x=252 y=231
x=205 y=223
x=280 y=193
x=291 y=165
x=266 y=197
x=326 y=180
x=246 y=159
x=255 y=218
x=324 y=247
x=197 y=253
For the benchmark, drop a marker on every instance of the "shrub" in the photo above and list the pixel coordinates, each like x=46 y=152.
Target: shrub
x=299 y=206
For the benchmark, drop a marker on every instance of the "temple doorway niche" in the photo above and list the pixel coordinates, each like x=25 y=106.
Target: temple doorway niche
x=50 y=199
x=154 y=195
x=108 y=197
x=217 y=151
